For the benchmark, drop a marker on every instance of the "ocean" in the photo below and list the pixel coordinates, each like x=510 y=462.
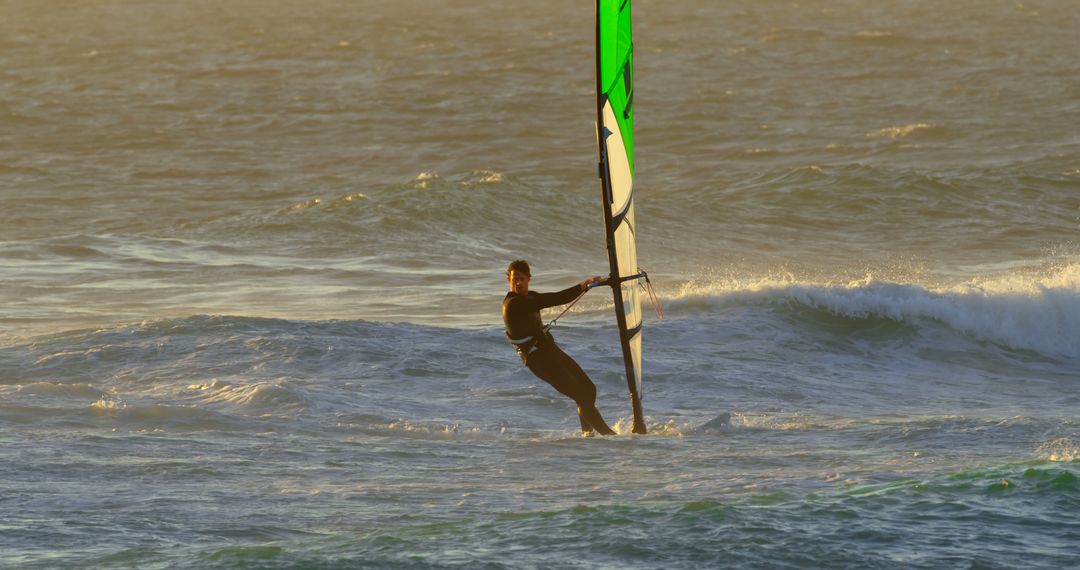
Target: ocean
x=252 y=259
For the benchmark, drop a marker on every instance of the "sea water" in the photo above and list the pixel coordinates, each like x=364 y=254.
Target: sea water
x=252 y=257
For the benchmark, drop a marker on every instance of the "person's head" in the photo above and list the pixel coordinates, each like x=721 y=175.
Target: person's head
x=518 y=275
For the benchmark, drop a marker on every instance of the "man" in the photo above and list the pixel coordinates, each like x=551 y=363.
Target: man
x=525 y=329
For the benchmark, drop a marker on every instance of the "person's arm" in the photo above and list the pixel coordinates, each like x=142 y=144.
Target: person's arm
x=545 y=300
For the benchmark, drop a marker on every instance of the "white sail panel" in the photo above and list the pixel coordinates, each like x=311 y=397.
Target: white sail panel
x=621 y=184
x=626 y=251
x=621 y=178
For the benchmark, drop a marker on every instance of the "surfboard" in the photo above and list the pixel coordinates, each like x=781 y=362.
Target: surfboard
x=615 y=141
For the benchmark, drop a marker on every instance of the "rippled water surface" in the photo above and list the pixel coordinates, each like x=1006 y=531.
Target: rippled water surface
x=252 y=257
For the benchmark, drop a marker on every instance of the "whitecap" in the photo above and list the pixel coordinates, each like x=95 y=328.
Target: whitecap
x=896 y=132
x=1062 y=449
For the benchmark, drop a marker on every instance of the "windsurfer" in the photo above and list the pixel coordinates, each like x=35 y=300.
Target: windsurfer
x=526 y=331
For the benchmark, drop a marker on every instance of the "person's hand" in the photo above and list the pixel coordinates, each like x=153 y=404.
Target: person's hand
x=585 y=284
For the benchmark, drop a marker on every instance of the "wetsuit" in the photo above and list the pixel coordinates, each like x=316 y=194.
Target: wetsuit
x=537 y=348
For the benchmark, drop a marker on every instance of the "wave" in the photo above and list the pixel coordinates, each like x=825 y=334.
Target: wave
x=420 y=381
x=278 y=396
x=901 y=131
x=459 y=215
x=946 y=517
x=1037 y=479
x=110 y=412
x=162 y=417
x=250 y=367
x=1039 y=313
x=52 y=390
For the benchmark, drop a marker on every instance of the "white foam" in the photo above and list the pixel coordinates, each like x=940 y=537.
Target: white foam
x=276 y=396
x=430 y=429
x=423 y=179
x=653 y=426
x=487 y=176
x=1062 y=449
x=108 y=404
x=896 y=132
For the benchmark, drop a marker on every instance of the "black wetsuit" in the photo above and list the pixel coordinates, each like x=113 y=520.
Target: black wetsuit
x=525 y=329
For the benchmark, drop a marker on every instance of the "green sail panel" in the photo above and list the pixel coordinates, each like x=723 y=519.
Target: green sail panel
x=615 y=134
x=615 y=66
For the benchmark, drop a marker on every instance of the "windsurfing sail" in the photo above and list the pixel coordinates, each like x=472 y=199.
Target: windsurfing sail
x=615 y=138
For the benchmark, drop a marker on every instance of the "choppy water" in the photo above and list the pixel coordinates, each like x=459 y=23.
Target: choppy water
x=252 y=258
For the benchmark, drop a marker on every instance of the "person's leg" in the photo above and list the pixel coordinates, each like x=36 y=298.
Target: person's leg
x=586 y=427
x=583 y=391
x=592 y=415
x=555 y=367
